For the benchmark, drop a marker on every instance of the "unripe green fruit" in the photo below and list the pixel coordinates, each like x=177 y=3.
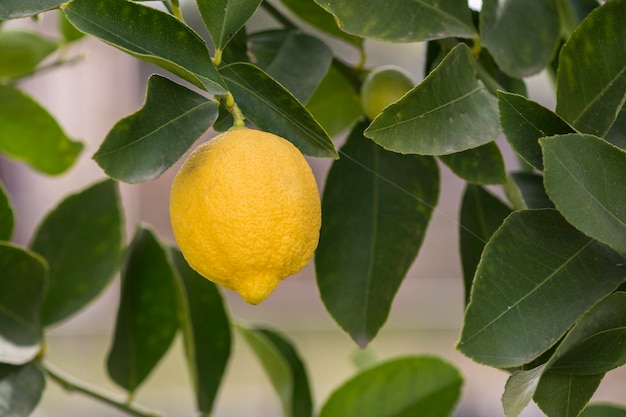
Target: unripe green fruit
x=383 y=86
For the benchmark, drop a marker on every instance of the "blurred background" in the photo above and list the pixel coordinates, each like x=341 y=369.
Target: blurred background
x=87 y=99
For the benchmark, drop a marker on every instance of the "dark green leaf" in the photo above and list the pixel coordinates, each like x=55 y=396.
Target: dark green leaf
x=572 y=12
x=524 y=122
x=404 y=21
x=21 y=51
x=296 y=60
x=564 y=395
x=140 y=147
x=150 y=35
x=237 y=48
x=375 y=210
x=603 y=410
x=589 y=99
x=284 y=369
x=522 y=35
x=224 y=18
x=313 y=14
x=335 y=104
x=206 y=332
x=410 y=386
x=481 y=215
x=536 y=277
x=6 y=215
x=81 y=239
x=274 y=109
x=21 y=388
x=29 y=133
x=14 y=9
x=533 y=192
x=438 y=117
x=584 y=176
x=617 y=134
x=147 y=318
x=481 y=165
x=22 y=284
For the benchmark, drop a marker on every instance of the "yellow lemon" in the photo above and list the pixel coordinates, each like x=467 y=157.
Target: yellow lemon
x=245 y=211
x=383 y=86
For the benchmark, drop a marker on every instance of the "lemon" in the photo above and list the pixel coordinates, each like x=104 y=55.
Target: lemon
x=383 y=86
x=245 y=211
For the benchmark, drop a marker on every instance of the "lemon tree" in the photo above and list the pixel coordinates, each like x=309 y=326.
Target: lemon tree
x=543 y=259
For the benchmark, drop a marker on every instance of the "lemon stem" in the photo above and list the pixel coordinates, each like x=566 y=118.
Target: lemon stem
x=176 y=9
x=217 y=59
x=231 y=106
x=476 y=46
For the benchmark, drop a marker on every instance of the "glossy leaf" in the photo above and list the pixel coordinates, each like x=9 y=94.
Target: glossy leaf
x=565 y=395
x=21 y=51
x=142 y=146
x=603 y=410
x=406 y=386
x=413 y=21
x=520 y=389
x=274 y=109
x=524 y=122
x=584 y=176
x=481 y=165
x=21 y=388
x=521 y=35
x=296 y=60
x=590 y=100
x=316 y=16
x=81 y=239
x=42 y=143
x=481 y=215
x=150 y=35
x=284 y=369
x=536 y=277
x=22 y=284
x=14 y=9
x=224 y=18
x=335 y=104
x=438 y=117
x=6 y=215
x=207 y=342
x=147 y=318
x=376 y=207
x=533 y=192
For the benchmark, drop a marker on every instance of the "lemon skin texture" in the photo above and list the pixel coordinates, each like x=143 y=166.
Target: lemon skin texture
x=383 y=86
x=245 y=211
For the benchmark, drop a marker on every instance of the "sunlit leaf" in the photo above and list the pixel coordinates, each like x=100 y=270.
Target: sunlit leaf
x=438 y=117
x=520 y=389
x=21 y=51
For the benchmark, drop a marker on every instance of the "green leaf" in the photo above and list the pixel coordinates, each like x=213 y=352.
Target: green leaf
x=533 y=192
x=584 y=176
x=438 y=117
x=565 y=395
x=376 y=207
x=14 y=9
x=572 y=12
x=6 y=215
x=67 y=30
x=481 y=165
x=617 y=134
x=21 y=388
x=524 y=122
x=314 y=15
x=335 y=104
x=21 y=51
x=81 y=239
x=536 y=277
x=590 y=100
x=519 y=390
x=406 y=21
x=274 y=109
x=22 y=284
x=522 y=35
x=142 y=146
x=207 y=341
x=284 y=369
x=147 y=318
x=29 y=133
x=296 y=60
x=150 y=35
x=224 y=18
x=408 y=386
x=603 y=410
x=481 y=214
